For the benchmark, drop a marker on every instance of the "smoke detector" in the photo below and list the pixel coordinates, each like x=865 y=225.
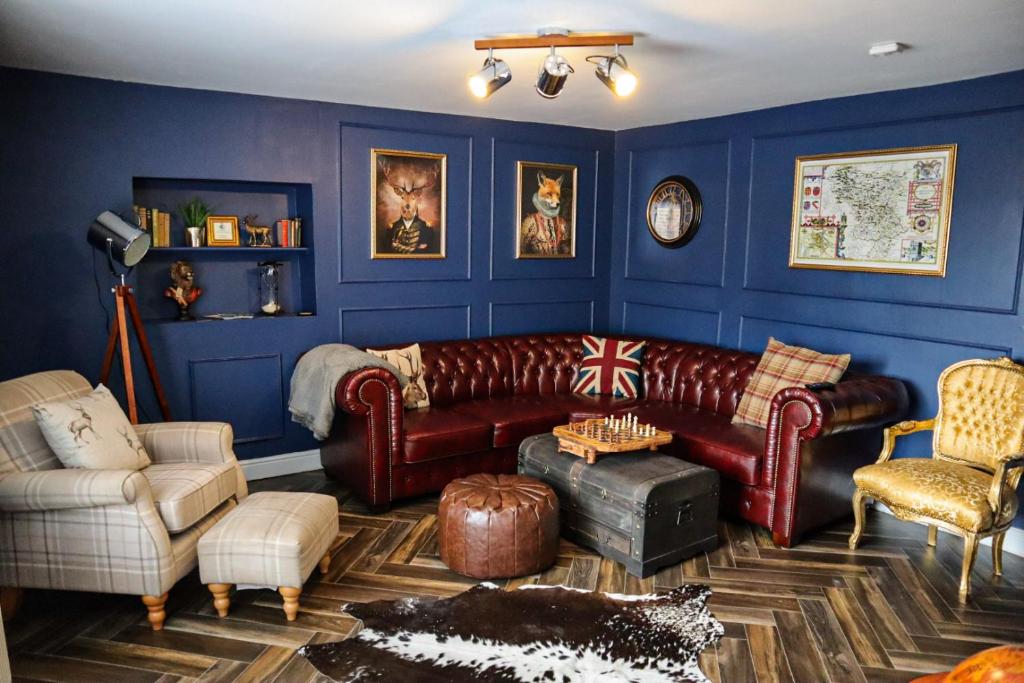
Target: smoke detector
x=886 y=49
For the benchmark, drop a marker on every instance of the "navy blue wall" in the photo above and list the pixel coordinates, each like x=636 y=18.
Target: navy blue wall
x=71 y=146
x=731 y=285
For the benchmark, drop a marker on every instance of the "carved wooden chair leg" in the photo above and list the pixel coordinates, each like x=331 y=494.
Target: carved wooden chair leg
x=997 y=554
x=325 y=563
x=933 y=535
x=291 y=601
x=970 y=550
x=155 y=604
x=220 y=597
x=10 y=601
x=858 y=518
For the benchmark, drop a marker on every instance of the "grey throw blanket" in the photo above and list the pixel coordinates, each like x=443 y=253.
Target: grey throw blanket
x=317 y=374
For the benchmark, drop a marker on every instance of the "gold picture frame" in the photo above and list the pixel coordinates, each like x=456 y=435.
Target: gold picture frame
x=539 y=233
x=222 y=231
x=408 y=204
x=901 y=203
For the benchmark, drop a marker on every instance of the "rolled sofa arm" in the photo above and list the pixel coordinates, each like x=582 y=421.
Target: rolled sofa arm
x=362 y=452
x=857 y=403
x=201 y=442
x=71 y=488
x=815 y=439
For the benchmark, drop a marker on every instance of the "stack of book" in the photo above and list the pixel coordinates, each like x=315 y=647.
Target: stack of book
x=288 y=232
x=156 y=222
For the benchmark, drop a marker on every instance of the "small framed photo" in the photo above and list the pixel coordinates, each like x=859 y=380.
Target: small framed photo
x=407 y=206
x=545 y=210
x=222 y=231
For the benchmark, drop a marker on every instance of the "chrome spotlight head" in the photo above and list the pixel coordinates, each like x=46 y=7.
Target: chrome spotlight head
x=614 y=73
x=553 y=74
x=494 y=74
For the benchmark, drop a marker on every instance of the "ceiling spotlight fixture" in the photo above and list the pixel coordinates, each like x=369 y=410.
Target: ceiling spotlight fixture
x=553 y=73
x=492 y=76
x=614 y=72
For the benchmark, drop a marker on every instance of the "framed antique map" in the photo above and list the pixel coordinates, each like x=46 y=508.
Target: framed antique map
x=885 y=211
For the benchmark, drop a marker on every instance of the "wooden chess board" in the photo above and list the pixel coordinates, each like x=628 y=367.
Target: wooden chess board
x=589 y=438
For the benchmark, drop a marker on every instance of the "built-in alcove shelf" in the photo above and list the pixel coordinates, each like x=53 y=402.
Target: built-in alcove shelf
x=227 y=275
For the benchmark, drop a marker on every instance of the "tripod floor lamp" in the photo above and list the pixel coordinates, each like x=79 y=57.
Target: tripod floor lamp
x=125 y=244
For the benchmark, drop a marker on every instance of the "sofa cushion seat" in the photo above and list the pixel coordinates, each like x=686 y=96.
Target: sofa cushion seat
x=515 y=417
x=709 y=439
x=185 y=492
x=436 y=433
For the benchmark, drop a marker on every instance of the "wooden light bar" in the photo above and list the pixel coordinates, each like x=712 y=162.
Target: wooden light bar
x=555 y=40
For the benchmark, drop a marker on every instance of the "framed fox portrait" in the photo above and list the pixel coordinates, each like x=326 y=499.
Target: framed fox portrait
x=545 y=210
x=407 y=209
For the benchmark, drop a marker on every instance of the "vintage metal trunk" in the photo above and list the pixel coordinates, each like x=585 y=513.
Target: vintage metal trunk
x=646 y=510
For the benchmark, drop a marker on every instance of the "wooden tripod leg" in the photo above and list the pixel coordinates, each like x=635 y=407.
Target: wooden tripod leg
x=108 y=356
x=147 y=355
x=126 y=358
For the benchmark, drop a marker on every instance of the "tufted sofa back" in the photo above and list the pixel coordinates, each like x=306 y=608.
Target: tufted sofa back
x=466 y=369
x=544 y=363
x=707 y=377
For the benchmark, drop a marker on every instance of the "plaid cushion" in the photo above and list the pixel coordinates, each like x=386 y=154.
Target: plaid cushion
x=184 y=493
x=781 y=367
x=610 y=367
x=271 y=539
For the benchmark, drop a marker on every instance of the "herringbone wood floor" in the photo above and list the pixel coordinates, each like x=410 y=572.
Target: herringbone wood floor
x=818 y=613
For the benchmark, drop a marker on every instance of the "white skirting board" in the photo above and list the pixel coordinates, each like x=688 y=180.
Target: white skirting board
x=280 y=465
x=1013 y=543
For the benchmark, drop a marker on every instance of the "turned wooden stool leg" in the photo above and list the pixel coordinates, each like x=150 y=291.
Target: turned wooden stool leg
x=155 y=604
x=933 y=535
x=291 y=601
x=325 y=563
x=220 y=597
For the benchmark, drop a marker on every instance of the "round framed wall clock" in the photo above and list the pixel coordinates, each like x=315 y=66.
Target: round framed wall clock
x=673 y=211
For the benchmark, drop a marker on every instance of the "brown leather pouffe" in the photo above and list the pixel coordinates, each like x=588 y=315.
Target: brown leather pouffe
x=495 y=526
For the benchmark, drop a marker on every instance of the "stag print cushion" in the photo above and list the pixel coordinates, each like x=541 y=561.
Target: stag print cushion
x=410 y=363
x=91 y=432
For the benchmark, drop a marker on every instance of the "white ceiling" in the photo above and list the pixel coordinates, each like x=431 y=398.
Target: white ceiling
x=695 y=58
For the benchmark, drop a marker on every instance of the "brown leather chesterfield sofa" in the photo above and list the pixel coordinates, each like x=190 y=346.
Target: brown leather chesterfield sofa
x=487 y=395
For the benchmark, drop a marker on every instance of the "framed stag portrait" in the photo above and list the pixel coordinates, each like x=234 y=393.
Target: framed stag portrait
x=545 y=210
x=407 y=209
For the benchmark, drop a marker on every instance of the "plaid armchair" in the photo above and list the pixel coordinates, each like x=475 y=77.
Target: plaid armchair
x=108 y=531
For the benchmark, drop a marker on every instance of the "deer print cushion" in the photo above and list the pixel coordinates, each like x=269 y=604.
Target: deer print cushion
x=410 y=363
x=91 y=432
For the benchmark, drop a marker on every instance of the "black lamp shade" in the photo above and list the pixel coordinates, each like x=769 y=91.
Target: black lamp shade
x=127 y=243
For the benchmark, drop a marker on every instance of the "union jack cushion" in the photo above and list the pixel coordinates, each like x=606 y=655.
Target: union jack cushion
x=610 y=367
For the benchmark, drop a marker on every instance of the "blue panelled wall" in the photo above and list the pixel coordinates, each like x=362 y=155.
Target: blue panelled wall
x=71 y=147
x=731 y=285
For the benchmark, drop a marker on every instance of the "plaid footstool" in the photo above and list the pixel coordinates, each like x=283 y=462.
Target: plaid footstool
x=273 y=538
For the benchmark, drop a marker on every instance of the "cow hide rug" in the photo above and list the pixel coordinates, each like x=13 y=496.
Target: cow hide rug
x=535 y=633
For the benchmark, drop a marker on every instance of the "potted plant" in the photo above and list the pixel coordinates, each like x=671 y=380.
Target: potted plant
x=193 y=215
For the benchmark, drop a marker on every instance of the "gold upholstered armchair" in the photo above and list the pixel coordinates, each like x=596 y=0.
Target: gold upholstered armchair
x=968 y=485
